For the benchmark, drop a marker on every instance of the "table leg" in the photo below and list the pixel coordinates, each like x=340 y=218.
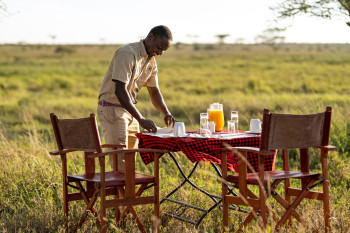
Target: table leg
x=216 y=199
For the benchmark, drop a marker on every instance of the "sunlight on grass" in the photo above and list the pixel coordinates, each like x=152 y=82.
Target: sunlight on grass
x=35 y=81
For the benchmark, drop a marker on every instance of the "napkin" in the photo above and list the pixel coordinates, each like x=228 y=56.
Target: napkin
x=165 y=130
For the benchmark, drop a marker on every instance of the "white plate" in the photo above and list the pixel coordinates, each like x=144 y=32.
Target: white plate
x=161 y=135
x=253 y=132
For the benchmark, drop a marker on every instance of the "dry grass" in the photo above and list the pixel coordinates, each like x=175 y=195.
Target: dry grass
x=34 y=81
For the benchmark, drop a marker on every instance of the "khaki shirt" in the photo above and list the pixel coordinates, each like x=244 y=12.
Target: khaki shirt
x=132 y=66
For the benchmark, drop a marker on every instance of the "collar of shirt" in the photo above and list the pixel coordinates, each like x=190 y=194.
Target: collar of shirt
x=143 y=51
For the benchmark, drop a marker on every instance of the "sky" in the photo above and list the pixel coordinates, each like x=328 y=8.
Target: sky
x=120 y=22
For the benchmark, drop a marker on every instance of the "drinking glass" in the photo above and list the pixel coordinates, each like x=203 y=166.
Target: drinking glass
x=231 y=126
x=234 y=117
x=203 y=122
x=205 y=132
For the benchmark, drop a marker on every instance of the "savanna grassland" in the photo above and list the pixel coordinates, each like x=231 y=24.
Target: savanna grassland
x=36 y=80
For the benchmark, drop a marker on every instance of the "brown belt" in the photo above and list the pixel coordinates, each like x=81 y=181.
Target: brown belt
x=105 y=103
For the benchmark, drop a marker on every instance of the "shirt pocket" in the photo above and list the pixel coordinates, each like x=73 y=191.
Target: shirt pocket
x=148 y=70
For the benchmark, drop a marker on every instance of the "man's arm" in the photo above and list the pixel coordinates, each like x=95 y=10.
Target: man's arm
x=125 y=101
x=159 y=104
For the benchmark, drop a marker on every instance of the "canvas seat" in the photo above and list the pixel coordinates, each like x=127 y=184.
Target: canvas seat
x=113 y=178
x=273 y=175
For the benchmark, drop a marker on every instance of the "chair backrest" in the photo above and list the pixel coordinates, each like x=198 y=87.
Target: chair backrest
x=77 y=134
x=287 y=131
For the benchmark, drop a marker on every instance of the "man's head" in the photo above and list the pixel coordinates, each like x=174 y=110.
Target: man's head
x=158 y=40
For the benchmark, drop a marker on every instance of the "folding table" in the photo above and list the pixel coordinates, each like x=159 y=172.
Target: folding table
x=198 y=148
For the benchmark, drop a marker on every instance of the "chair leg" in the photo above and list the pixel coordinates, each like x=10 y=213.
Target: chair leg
x=291 y=208
x=65 y=209
x=287 y=197
x=325 y=184
x=225 y=215
x=117 y=210
x=138 y=221
x=286 y=181
x=90 y=203
x=65 y=191
x=89 y=207
x=286 y=205
x=262 y=193
x=156 y=210
x=249 y=218
x=224 y=206
x=156 y=223
x=131 y=210
x=82 y=219
x=156 y=193
x=326 y=212
x=103 y=218
x=224 y=190
x=125 y=212
x=255 y=211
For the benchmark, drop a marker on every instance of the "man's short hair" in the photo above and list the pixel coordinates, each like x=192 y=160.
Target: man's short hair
x=162 y=30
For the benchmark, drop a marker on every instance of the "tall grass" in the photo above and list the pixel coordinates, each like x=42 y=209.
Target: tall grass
x=36 y=80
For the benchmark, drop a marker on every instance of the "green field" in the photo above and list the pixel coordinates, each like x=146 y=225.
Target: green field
x=36 y=80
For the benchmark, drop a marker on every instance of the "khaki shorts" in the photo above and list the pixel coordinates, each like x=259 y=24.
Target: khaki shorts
x=118 y=127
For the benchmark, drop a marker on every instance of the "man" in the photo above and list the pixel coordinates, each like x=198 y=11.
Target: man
x=133 y=66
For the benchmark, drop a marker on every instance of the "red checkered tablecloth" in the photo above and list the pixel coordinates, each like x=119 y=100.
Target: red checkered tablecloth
x=203 y=149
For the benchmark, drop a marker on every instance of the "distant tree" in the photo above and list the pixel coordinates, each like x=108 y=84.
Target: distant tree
x=177 y=45
x=195 y=44
x=271 y=37
x=240 y=40
x=4 y=11
x=222 y=37
x=3 y=8
x=327 y=9
x=61 y=49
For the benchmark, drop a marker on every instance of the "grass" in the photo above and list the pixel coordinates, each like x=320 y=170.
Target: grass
x=36 y=80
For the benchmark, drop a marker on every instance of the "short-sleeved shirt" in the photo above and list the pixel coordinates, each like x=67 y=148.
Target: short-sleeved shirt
x=132 y=66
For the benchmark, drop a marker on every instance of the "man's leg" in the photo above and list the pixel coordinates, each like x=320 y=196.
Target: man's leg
x=132 y=139
x=114 y=124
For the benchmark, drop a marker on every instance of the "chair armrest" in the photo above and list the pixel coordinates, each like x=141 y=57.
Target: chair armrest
x=112 y=146
x=61 y=152
x=146 y=150
x=126 y=151
x=247 y=149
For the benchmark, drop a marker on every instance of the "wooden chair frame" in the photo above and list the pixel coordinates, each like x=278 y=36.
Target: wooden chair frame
x=120 y=184
x=268 y=180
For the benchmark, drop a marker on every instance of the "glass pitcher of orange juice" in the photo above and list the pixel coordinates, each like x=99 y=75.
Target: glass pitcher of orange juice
x=216 y=114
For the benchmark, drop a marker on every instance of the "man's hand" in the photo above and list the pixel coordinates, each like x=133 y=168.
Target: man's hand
x=169 y=120
x=148 y=125
x=158 y=102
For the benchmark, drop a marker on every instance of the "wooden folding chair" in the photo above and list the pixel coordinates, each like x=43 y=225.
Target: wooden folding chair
x=283 y=132
x=82 y=135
